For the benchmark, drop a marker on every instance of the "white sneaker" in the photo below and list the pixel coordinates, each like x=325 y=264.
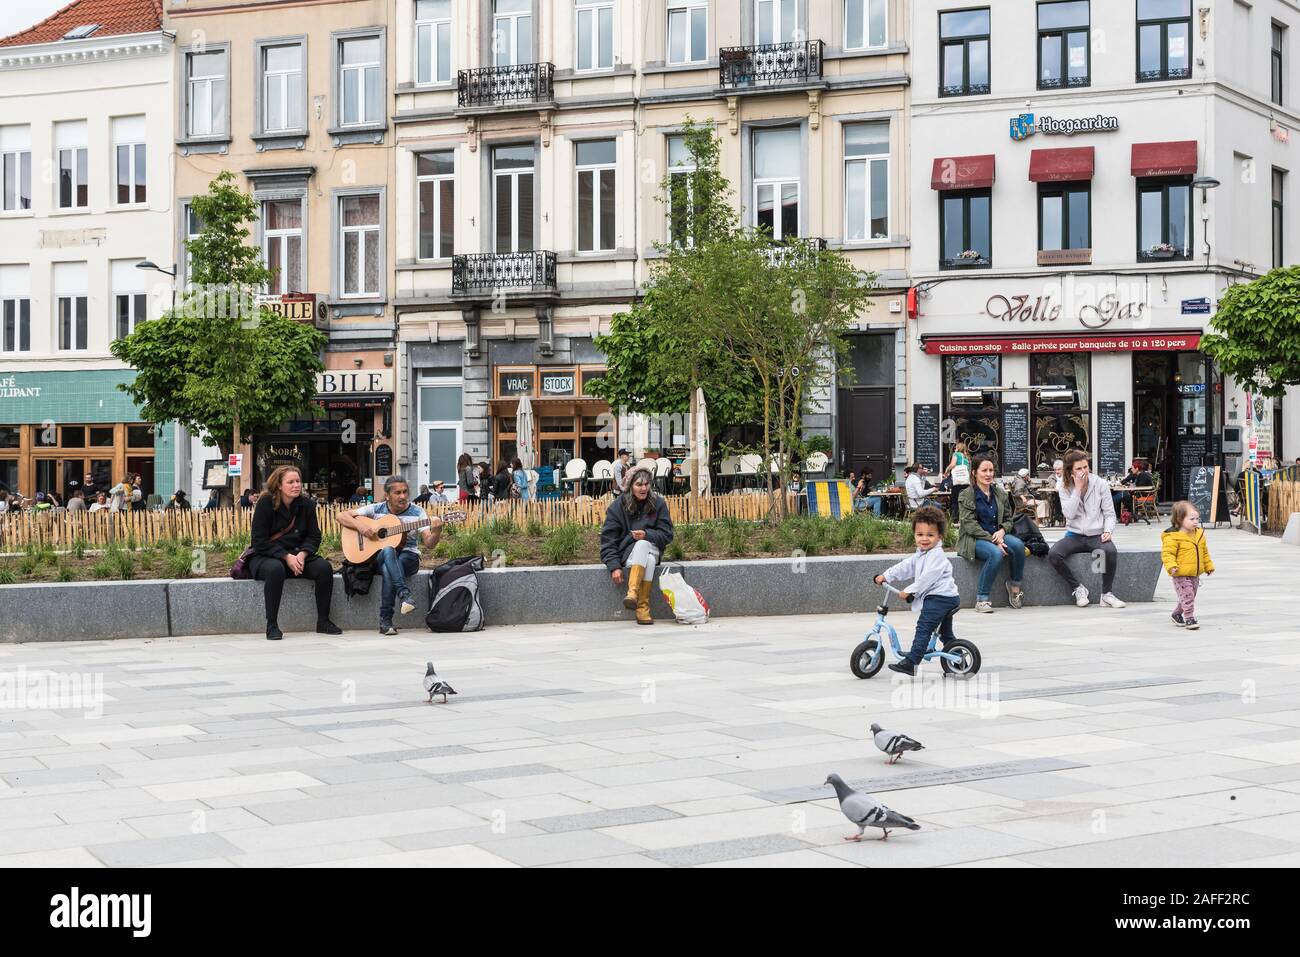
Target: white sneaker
x=1081 y=597
x=984 y=607
x=408 y=606
x=1111 y=601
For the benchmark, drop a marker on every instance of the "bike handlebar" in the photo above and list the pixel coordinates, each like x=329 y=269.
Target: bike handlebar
x=889 y=587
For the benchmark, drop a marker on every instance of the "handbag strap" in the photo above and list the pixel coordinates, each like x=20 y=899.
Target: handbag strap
x=286 y=530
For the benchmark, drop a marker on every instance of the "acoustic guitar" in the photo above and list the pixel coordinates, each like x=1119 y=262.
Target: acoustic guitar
x=390 y=532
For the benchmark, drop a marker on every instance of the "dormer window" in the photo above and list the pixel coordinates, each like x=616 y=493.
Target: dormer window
x=81 y=32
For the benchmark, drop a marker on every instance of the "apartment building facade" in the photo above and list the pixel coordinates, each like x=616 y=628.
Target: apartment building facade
x=293 y=98
x=1089 y=178
x=531 y=141
x=85 y=196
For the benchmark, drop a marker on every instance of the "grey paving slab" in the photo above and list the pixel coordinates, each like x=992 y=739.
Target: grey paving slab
x=710 y=853
x=586 y=822
x=36 y=779
x=163 y=850
x=927 y=777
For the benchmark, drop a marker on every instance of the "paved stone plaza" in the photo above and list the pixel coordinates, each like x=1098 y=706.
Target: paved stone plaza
x=1091 y=737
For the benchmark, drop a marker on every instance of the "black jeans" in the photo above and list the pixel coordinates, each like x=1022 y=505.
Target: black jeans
x=1073 y=544
x=274 y=571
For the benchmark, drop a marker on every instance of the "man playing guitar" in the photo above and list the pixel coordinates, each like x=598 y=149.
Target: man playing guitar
x=397 y=564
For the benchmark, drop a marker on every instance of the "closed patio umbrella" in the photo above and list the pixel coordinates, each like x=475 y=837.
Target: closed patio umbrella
x=524 y=433
x=700 y=481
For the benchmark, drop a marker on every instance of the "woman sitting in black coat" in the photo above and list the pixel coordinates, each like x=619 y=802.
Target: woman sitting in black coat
x=637 y=530
x=286 y=537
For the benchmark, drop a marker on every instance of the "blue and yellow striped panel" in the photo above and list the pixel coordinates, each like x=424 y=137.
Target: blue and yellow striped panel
x=830 y=499
x=1250 y=505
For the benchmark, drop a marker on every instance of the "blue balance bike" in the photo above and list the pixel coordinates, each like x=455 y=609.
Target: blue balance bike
x=959 y=658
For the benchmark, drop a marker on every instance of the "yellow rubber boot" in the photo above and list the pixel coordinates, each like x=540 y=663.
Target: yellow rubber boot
x=635 y=576
x=643 y=605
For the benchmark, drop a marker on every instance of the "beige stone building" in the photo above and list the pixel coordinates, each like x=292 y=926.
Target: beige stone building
x=295 y=98
x=531 y=138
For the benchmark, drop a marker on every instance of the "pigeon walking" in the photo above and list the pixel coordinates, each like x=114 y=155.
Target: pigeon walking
x=893 y=743
x=865 y=811
x=435 y=685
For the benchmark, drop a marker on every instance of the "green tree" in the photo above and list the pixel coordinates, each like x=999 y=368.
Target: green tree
x=1256 y=337
x=219 y=364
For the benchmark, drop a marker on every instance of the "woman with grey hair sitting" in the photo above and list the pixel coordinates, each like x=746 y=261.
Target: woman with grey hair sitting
x=637 y=530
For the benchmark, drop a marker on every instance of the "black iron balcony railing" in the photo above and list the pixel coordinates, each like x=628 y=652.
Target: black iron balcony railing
x=1151 y=76
x=521 y=83
x=486 y=272
x=1062 y=83
x=787 y=251
x=968 y=89
x=770 y=64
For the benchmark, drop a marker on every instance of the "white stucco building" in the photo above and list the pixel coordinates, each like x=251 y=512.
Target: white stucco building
x=1067 y=232
x=85 y=195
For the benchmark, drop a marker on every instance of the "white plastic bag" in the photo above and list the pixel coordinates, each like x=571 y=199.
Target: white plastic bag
x=688 y=605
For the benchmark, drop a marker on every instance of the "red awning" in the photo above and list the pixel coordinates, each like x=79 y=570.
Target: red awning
x=1165 y=159
x=963 y=172
x=1069 y=164
x=1011 y=345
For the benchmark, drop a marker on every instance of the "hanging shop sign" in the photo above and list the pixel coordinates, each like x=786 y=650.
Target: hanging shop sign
x=1024 y=126
x=1043 y=309
x=298 y=306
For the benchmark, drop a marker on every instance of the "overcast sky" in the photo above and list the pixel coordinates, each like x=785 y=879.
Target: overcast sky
x=18 y=15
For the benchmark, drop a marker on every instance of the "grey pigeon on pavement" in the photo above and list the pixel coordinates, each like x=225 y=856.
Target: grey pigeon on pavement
x=893 y=743
x=865 y=811
x=435 y=685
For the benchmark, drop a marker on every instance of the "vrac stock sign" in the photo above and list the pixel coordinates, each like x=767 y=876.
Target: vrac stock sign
x=1023 y=126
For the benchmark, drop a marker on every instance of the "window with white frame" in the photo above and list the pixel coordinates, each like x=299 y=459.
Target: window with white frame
x=16 y=168
x=15 y=309
x=129 y=297
x=513 y=169
x=681 y=198
x=129 y=184
x=432 y=41
x=688 y=31
x=73 y=159
x=361 y=82
x=595 y=163
x=512 y=32
x=282 y=88
x=866 y=24
x=193 y=227
x=778 y=157
x=71 y=307
x=206 y=93
x=359 y=244
x=866 y=181
x=435 y=177
x=595 y=34
x=775 y=21
x=282 y=245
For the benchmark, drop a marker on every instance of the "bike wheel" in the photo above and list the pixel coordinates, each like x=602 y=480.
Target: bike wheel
x=868 y=658
x=970 y=659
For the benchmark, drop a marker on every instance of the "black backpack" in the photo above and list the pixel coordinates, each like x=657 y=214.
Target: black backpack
x=1025 y=529
x=453 y=596
x=358 y=578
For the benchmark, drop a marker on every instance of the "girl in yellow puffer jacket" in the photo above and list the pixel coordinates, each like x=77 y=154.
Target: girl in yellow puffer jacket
x=1186 y=557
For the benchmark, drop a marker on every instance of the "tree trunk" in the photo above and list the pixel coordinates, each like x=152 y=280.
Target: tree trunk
x=695 y=461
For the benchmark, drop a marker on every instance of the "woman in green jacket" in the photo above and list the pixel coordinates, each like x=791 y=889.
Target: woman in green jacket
x=984 y=535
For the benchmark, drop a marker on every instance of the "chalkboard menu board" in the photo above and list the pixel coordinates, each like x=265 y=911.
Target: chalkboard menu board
x=1111 y=427
x=1192 y=449
x=1015 y=437
x=384 y=460
x=925 y=425
x=1200 y=489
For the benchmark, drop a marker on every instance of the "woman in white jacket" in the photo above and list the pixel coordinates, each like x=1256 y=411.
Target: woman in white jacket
x=1090 y=522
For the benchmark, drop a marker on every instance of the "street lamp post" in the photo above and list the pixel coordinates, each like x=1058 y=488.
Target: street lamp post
x=151 y=266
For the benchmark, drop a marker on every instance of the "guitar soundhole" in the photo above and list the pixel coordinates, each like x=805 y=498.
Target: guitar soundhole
x=383 y=533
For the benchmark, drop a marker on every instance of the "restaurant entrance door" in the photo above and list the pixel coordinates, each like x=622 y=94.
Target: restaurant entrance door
x=1177 y=397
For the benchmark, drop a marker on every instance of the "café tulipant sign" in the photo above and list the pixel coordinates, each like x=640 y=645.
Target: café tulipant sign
x=1042 y=309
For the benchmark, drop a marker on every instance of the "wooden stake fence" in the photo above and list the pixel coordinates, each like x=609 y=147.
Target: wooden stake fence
x=1283 y=501
x=207 y=527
